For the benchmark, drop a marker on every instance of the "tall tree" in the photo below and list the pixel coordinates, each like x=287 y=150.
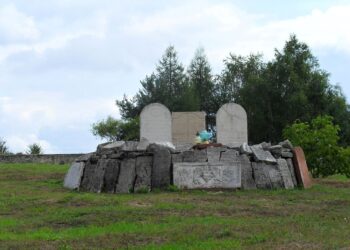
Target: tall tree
x=201 y=81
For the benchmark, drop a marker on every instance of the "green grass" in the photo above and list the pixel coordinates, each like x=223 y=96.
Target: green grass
x=36 y=212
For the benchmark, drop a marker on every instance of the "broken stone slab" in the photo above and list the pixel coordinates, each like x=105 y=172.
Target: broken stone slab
x=74 y=175
x=286 y=154
x=276 y=150
x=176 y=157
x=245 y=149
x=261 y=155
x=301 y=169
x=247 y=172
x=286 y=174
x=292 y=171
x=207 y=175
x=143 y=173
x=130 y=146
x=84 y=158
x=188 y=156
x=111 y=175
x=229 y=155
x=126 y=178
x=109 y=148
x=87 y=180
x=286 y=144
x=118 y=155
x=97 y=180
x=265 y=145
x=267 y=176
x=161 y=169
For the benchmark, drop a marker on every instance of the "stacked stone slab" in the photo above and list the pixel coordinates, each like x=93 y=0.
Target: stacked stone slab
x=124 y=167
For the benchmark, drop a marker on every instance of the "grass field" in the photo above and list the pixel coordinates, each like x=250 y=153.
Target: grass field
x=36 y=212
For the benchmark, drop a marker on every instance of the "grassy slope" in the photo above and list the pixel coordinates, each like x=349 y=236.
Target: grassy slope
x=36 y=212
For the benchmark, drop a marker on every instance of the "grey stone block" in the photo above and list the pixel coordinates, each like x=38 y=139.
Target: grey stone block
x=143 y=173
x=286 y=144
x=287 y=154
x=73 y=177
x=98 y=177
x=214 y=153
x=286 y=175
x=275 y=176
x=261 y=175
x=161 y=167
x=276 y=150
x=247 y=172
x=245 y=149
x=207 y=175
x=261 y=155
x=111 y=175
x=176 y=158
x=292 y=171
x=84 y=158
x=126 y=176
x=87 y=180
x=229 y=155
x=188 y=156
x=200 y=155
x=130 y=146
x=143 y=144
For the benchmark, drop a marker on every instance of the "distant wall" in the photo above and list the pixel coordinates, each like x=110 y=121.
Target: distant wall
x=45 y=158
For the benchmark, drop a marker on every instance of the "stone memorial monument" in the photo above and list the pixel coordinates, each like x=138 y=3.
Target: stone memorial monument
x=231 y=124
x=186 y=125
x=155 y=123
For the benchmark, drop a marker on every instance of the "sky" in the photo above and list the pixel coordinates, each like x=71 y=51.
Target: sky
x=63 y=64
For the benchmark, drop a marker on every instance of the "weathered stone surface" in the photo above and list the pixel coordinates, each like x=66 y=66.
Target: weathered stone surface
x=188 y=156
x=286 y=174
x=267 y=176
x=142 y=145
x=286 y=144
x=265 y=145
x=245 y=149
x=229 y=155
x=287 y=154
x=87 y=180
x=156 y=123
x=185 y=125
x=118 y=155
x=111 y=175
x=214 y=153
x=231 y=122
x=177 y=157
x=126 y=176
x=292 y=171
x=98 y=177
x=247 y=172
x=130 y=146
x=207 y=175
x=200 y=155
x=301 y=169
x=73 y=177
x=261 y=155
x=84 y=158
x=276 y=150
x=143 y=173
x=161 y=167
x=261 y=175
x=180 y=147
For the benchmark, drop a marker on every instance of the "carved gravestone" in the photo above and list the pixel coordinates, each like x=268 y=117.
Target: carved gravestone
x=74 y=175
x=185 y=125
x=155 y=123
x=193 y=175
x=231 y=123
x=301 y=169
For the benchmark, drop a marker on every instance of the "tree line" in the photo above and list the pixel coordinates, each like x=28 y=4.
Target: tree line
x=290 y=87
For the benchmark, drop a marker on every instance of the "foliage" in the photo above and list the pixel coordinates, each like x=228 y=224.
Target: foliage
x=319 y=139
x=3 y=148
x=112 y=129
x=34 y=149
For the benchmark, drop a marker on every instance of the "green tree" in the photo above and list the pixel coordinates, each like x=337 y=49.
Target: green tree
x=34 y=149
x=3 y=148
x=112 y=129
x=319 y=139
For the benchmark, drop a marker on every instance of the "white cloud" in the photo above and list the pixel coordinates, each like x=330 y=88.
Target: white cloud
x=16 y=26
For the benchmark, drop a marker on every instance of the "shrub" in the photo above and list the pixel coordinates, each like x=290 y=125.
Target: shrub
x=3 y=148
x=34 y=149
x=319 y=139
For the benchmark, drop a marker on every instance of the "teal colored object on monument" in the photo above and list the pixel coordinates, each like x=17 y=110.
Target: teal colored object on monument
x=205 y=135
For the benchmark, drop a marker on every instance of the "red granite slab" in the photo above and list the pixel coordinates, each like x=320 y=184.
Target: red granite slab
x=301 y=169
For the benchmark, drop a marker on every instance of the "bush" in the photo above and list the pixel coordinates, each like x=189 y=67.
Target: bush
x=34 y=149
x=319 y=139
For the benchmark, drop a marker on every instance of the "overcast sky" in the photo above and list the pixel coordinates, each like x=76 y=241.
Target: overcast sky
x=64 y=63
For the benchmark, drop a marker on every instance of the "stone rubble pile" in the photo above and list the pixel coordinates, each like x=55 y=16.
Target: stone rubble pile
x=126 y=167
